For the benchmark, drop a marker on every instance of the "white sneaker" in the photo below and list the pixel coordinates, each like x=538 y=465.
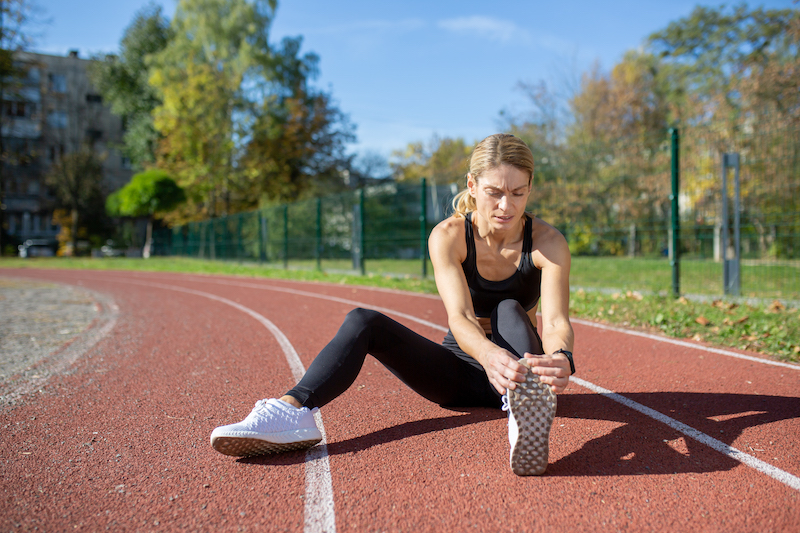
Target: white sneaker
x=531 y=409
x=272 y=426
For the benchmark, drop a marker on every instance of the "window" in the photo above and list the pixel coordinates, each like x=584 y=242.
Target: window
x=94 y=99
x=33 y=75
x=94 y=135
x=56 y=152
x=57 y=119
x=17 y=109
x=58 y=83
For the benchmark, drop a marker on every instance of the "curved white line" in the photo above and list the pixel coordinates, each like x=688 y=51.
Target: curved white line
x=319 y=509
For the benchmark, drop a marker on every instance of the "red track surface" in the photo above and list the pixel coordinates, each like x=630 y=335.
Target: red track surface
x=120 y=440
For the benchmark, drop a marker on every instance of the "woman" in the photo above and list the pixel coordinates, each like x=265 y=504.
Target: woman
x=492 y=264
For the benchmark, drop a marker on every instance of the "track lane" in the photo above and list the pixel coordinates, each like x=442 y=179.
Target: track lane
x=116 y=442
x=600 y=456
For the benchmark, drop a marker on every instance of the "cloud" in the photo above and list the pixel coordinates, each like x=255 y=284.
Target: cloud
x=401 y=25
x=490 y=28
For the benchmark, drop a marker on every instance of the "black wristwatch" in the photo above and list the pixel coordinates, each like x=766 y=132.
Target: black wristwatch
x=569 y=356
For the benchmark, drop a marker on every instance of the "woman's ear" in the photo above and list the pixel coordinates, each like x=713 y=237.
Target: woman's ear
x=472 y=185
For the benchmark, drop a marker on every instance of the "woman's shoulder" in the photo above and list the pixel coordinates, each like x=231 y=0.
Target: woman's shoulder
x=548 y=239
x=451 y=227
x=542 y=231
x=449 y=233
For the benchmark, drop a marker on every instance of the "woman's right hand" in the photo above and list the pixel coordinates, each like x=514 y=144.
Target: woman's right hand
x=503 y=369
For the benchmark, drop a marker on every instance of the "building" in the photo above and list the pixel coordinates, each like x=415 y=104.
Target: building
x=53 y=111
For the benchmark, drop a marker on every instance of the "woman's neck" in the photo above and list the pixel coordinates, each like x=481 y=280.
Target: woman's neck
x=498 y=238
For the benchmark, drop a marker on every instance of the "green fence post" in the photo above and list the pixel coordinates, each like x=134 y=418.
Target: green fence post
x=423 y=229
x=318 y=243
x=239 y=240
x=362 y=231
x=213 y=241
x=676 y=221
x=286 y=236
x=262 y=237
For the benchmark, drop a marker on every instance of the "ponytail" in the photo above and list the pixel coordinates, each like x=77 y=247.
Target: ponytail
x=463 y=203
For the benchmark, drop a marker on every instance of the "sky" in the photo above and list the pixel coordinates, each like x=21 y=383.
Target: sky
x=406 y=71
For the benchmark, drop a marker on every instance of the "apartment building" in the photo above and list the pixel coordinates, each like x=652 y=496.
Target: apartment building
x=52 y=112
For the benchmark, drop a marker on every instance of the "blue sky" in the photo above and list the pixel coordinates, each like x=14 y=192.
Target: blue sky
x=405 y=71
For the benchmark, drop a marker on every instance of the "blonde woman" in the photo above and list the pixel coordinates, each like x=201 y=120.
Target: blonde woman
x=492 y=263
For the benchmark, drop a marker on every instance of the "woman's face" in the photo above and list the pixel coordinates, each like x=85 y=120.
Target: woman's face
x=500 y=196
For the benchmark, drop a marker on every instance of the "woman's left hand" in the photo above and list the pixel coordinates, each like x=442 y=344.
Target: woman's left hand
x=552 y=370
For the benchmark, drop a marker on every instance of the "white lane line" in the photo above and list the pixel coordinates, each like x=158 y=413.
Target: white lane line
x=746 y=459
x=763 y=467
x=319 y=509
x=685 y=344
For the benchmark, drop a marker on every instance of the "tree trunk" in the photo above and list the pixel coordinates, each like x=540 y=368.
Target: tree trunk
x=148 y=241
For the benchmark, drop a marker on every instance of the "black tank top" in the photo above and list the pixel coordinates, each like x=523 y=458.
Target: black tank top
x=523 y=286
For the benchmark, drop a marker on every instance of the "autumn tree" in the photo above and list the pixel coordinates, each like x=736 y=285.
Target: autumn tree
x=240 y=123
x=441 y=160
x=76 y=181
x=298 y=138
x=735 y=73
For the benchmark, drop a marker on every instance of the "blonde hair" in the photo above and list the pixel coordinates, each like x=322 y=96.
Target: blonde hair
x=489 y=154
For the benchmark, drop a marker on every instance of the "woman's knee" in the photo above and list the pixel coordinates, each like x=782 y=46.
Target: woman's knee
x=362 y=318
x=509 y=309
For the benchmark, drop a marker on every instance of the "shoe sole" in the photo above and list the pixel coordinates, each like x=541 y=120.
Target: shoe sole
x=533 y=405
x=248 y=446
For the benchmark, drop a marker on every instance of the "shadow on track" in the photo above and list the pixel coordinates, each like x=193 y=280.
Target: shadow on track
x=643 y=446
x=382 y=436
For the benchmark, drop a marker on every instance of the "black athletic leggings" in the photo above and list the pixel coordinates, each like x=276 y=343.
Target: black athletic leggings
x=442 y=373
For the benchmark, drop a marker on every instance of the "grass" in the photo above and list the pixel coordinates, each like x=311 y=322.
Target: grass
x=640 y=301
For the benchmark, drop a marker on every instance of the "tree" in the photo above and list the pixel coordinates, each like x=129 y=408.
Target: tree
x=150 y=194
x=239 y=120
x=123 y=81
x=709 y=52
x=75 y=180
x=219 y=46
x=442 y=160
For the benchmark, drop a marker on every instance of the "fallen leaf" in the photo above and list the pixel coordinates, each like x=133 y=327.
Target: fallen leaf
x=703 y=321
x=776 y=307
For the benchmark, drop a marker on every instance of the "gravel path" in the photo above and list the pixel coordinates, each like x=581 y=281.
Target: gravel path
x=38 y=322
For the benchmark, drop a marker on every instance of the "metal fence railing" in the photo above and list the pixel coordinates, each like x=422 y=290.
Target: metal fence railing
x=618 y=206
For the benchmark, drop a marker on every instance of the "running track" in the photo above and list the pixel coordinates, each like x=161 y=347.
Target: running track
x=650 y=436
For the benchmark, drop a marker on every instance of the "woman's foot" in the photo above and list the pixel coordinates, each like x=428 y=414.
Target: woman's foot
x=272 y=426
x=531 y=409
